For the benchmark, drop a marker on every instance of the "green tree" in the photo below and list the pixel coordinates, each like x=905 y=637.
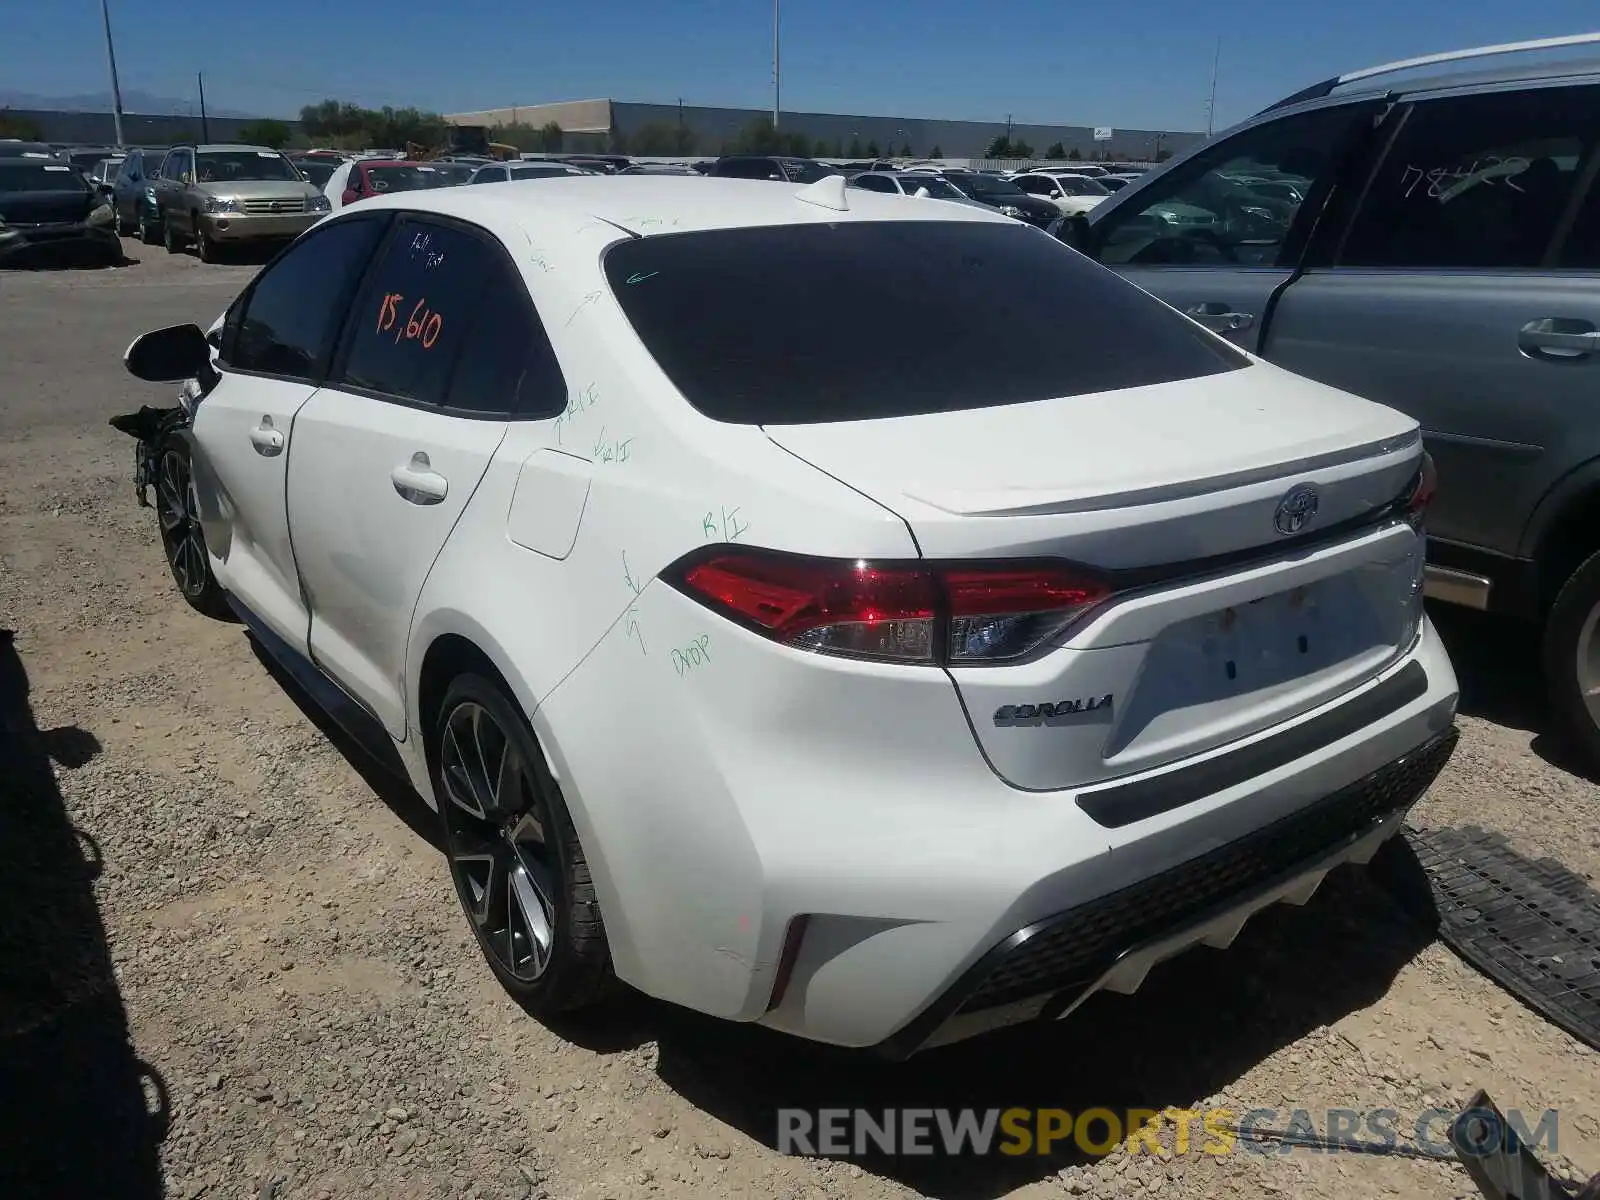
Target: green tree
x=1056 y=150
x=838 y=148
x=820 y=150
x=759 y=137
x=551 y=138
x=1163 y=154
x=1021 y=149
x=13 y=125
x=266 y=132
x=999 y=147
x=936 y=152
x=519 y=134
x=872 y=149
x=1075 y=154
x=655 y=139
x=856 y=150
x=684 y=140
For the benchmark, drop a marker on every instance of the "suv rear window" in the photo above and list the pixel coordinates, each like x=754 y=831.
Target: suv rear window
x=859 y=320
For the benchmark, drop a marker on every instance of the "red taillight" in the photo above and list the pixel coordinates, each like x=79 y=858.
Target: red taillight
x=1421 y=492
x=956 y=613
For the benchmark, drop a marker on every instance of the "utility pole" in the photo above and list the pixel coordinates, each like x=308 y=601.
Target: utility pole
x=1211 y=105
x=205 y=128
x=116 y=89
x=777 y=76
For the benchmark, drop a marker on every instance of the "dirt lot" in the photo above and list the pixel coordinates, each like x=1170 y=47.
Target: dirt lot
x=231 y=964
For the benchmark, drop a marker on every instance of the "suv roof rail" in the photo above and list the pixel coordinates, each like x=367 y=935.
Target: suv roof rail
x=1317 y=90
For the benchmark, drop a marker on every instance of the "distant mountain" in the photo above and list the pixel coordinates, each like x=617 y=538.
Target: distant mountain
x=136 y=102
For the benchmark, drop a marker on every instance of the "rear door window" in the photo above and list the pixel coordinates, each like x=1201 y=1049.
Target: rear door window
x=411 y=319
x=1480 y=181
x=859 y=320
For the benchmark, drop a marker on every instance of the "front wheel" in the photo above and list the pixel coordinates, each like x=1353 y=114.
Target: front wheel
x=204 y=247
x=1572 y=660
x=514 y=855
x=148 y=234
x=169 y=236
x=178 y=511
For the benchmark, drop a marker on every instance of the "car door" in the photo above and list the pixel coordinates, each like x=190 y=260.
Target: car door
x=167 y=182
x=388 y=454
x=129 y=183
x=1041 y=186
x=276 y=343
x=1452 y=296
x=1209 y=246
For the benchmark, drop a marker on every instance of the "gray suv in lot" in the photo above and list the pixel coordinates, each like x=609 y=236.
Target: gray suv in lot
x=209 y=195
x=1425 y=234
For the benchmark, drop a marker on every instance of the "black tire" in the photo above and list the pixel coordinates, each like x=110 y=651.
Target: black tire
x=205 y=249
x=1570 y=629
x=523 y=824
x=118 y=223
x=170 y=237
x=182 y=539
x=147 y=230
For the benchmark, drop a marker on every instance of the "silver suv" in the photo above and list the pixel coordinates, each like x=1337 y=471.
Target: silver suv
x=209 y=195
x=1426 y=234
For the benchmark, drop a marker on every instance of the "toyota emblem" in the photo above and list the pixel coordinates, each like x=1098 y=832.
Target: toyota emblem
x=1295 y=510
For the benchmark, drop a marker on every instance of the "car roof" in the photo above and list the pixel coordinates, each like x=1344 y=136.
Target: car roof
x=646 y=205
x=215 y=147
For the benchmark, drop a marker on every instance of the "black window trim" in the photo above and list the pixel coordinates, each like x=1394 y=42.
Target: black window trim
x=333 y=375
x=230 y=328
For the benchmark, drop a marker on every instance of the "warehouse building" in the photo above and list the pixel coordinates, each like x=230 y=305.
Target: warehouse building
x=596 y=124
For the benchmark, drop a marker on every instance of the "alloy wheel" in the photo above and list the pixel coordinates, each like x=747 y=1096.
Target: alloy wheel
x=178 y=509
x=1587 y=663
x=495 y=829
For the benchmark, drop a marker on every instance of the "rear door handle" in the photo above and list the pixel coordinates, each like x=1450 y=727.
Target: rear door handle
x=417 y=481
x=1219 y=317
x=267 y=440
x=1558 y=337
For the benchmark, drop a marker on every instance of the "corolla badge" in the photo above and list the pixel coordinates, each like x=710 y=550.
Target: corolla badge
x=1295 y=510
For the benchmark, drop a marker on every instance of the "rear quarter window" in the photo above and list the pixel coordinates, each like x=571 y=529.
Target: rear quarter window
x=859 y=320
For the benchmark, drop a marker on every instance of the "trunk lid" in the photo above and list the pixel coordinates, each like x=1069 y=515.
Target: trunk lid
x=1223 y=623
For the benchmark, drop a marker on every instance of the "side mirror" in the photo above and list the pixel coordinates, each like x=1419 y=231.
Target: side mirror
x=169 y=355
x=1074 y=231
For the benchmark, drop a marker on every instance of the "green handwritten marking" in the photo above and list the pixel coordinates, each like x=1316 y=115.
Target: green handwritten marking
x=588 y=299
x=695 y=654
x=633 y=629
x=627 y=576
x=579 y=404
x=726 y=529
x=637 y=278
x=611 y=450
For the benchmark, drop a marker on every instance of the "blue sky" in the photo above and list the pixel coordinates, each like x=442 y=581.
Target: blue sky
x=1144 y=65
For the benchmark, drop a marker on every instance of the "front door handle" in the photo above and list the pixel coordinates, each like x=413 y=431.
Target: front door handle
x=1219 y=317
x=1558 y=338
x=267 y=440
x=417 y=481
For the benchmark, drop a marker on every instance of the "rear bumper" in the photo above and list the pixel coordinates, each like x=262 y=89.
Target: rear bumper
x=824 y=853
x=249 y=227
x=1047 y=969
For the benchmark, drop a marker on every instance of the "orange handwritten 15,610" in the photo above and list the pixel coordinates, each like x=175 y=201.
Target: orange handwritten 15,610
x=421 y=326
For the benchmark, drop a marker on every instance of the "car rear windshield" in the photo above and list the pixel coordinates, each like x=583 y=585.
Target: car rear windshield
x=935 y=185
x=397 y=179
x=801 y=170
x=231 y=166
x=807 y=323
x=30 y=175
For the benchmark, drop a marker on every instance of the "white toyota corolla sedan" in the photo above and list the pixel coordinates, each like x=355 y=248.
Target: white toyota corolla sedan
x=852 y=613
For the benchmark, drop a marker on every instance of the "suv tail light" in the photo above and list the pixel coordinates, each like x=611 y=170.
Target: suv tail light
x=1420 y=493
x=957 y=613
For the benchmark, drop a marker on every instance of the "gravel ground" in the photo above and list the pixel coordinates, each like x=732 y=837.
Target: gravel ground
x=231 y=964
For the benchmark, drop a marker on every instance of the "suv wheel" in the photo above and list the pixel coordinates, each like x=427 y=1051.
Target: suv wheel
x=1572 y=659
x=204 y=247
x=514 y=855
x=178 y=511
x=147 y=228
x=169 y=236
